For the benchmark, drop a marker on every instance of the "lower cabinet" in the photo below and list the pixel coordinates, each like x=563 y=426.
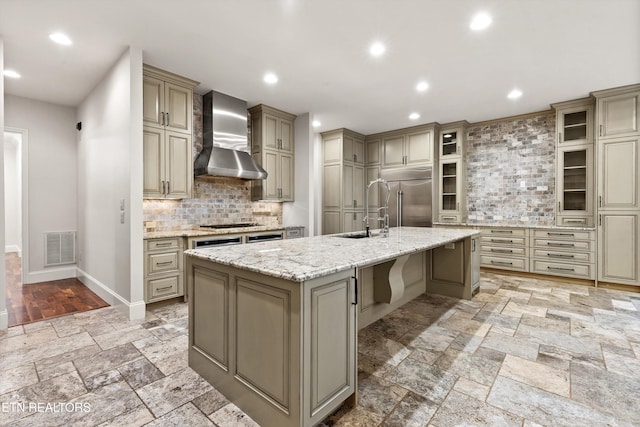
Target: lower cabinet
x=283 y=351
x=566 y=253
x=163 y=269
x=505 y=248
x=619 y=247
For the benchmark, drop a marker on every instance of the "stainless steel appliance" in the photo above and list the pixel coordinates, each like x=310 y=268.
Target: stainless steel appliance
x=411 y=196
x=208 y=241
x=264 y=237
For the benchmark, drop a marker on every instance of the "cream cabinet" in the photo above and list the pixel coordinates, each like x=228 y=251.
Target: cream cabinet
x=168 y=164
x=619 y=247
x=167 y=100
x=344 y=183
x=574 y=185
x=619 y=112
x=450 y=177
x=505 y=248
x=569 y=253
x=373 y=151
x=163 y=269
x=412 y=146
x=575 y=163
x=619 y=173
x=371 y=174
x=167 y=134
x=618 y=177
x=272 y=147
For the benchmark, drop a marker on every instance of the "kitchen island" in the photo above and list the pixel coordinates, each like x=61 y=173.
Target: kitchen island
x=273 y=326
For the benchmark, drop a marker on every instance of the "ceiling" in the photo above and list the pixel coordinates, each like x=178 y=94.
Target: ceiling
x=551 y=50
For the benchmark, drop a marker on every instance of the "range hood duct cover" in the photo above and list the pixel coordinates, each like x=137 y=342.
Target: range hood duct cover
x=225 y=146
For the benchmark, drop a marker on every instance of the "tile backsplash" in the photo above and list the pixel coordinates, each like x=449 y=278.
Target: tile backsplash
x=511 y=170
x=218 y=200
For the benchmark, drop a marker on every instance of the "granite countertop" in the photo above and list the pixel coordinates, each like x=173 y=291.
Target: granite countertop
x=197 y=232
x=512 y=224
x=310 y=257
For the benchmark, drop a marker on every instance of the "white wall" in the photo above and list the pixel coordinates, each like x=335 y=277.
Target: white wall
x=13 y=191
x=300 y=211
x=51 y=178
x=4 y=318
x=111 y=117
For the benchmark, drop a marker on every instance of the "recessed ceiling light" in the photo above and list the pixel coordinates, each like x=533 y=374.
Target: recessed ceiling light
x=377 y=49
x=316 y=124
x=60 y=38
x=481 y=21
x=270 y=78
x=422 y=86
x=514 y=94
x=414 y=116
x=11 y=73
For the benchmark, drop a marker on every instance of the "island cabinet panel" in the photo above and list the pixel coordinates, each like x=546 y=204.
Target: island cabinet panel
x=262 y=326
x=451 y=267
x=211 y=315
x=332 y=344
x=283 y=351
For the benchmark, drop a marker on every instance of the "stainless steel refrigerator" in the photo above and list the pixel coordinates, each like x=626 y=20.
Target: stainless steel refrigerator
x=410 y=200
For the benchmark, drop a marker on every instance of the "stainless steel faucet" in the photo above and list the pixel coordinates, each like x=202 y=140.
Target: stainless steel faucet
x=384 y=209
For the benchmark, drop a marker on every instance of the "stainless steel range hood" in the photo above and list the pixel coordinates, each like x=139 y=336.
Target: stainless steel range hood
x=225 y=147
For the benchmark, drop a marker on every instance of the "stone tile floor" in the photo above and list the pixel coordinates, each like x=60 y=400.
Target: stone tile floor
x=523 y=352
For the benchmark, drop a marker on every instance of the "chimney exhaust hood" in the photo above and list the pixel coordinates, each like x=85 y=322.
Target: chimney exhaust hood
x=225 y=146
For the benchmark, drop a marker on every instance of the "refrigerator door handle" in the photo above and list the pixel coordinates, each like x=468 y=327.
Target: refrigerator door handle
x=400 y=208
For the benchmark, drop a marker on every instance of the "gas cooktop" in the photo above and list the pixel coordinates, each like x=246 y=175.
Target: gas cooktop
x=236 y=225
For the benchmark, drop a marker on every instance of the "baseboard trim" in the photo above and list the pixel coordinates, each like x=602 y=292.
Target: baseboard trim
x=4 y=319
x=13 y=248
x=132 y=310
x=50 y=275
x=573 y=280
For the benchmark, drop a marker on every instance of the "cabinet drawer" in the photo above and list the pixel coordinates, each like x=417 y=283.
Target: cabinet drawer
x=501 y=250
x=583 y=271
x=574 y=222
x=519 y=264
x=163 y=288
x=450 y=218
x=168 y=243
x=163 y=262
x=292 y=233
x=588 y=257
x=562 y=234
x=563 y=244
x=504 y=232
x=495 y=240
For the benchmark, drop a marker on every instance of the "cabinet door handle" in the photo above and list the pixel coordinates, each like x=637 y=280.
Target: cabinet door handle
x=559 y=206
x=501 y=262
x=355 y=203
x=501 y=241
x=158 y=264
x=601 y=132
x=163 y=244
x=560 y=256
x=168 y=187
x=559 y=136
x=355 y=157
x=354 y=216
x=560 y=269
x=561 y=234
x=162 y=119
x=164 y=288
x=502 y=231
x=163 y=188
x=355 y=288
x=502 y=251
x=599 y=201
x=561 y=245
x=599 y=219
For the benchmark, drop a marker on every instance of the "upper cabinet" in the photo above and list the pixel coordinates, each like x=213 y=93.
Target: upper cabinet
x=167 y=134
x=575 y=162
x=618 y=111
x=272 y=147
x=451 y=173
x=167 y=100
x=451 y=140
x=412 y=146
x=344 y=184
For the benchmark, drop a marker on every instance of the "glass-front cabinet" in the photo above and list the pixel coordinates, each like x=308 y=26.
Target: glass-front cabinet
x=451 y=197
x=575 y=163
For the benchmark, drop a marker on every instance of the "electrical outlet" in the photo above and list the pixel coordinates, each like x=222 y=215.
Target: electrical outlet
x=524 y=218
x=523 y=184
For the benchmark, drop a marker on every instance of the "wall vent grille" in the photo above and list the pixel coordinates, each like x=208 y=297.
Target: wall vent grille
x=60 y=248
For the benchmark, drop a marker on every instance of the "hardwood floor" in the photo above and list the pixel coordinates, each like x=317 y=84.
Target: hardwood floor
x=39 y=301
